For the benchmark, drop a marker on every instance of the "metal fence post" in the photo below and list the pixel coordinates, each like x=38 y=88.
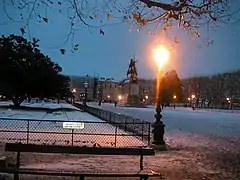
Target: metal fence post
x=95 y=112
x=133 y=126
x=149 y=133
x=117 y=118
x=110 y=116
x=125 y=124
x=72 y=136
x=28 y=131
x=107 y=116
x=115 y=141
x=142 y=130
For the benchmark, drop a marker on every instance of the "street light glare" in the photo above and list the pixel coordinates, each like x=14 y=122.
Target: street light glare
x=161 y=55
x=119 y=97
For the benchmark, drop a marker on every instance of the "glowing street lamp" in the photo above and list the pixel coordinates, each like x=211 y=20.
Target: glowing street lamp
x=146 y=97
x=174 y=99
x=193 y=96
x=193 y=103
x=73 y=96
x=119 y=97
x=74 y=90
x=228 y=100
x=161 y=56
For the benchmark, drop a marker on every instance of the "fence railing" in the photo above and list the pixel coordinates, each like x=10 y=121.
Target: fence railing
x=91 y=133
x=134 y=126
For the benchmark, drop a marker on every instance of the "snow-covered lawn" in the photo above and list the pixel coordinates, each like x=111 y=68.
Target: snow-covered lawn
x=237 y=111
x=185 y=119
x=151 y=107
x=47 y=128
x=192 y=156
x=49 y=105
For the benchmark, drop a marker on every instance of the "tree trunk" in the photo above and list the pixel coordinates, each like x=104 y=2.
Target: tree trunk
x=17 y=101
x=58 y=98
x=29 y=99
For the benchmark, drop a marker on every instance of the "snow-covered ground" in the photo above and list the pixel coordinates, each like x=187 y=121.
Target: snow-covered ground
x=47 y=128
x=49 y=105
x=192 y=156
x=186 y=120
x=203 y=145
x=236 y=111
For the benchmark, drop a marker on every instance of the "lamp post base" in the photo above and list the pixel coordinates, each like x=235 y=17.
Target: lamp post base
x=159 y=147
x=158 y=132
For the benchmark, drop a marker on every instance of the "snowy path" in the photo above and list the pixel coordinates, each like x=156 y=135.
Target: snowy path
x=185 y=120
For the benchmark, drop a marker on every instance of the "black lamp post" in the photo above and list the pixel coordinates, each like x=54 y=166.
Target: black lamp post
x=85 y=93
x=174 y=101
x=73 y=95
x=193 y=103
x=158 y=126
x=161 y=55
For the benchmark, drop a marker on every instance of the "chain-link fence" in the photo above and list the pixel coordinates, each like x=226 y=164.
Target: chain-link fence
x=135 y=126
x=121 y=131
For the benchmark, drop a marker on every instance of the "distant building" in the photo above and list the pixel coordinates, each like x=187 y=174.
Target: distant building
x=108 y=89
x=147 y=90
x=77 y=83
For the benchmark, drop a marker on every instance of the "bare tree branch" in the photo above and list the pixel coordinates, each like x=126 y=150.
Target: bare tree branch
x=189 y=15
x=79 y=13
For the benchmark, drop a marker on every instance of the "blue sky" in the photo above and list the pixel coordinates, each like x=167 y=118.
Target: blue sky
x=109 y=55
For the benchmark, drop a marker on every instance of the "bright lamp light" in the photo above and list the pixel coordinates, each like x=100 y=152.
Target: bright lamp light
x=161 y=55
